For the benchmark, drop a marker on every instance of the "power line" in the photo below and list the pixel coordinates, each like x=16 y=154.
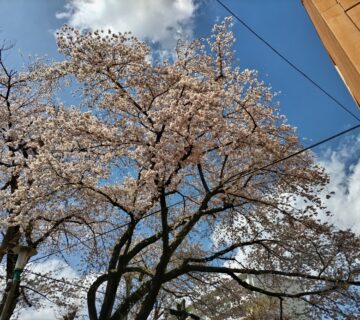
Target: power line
x=288 y=61
x=58 y=280
x=238 y=176
x=79 y=242
x=100 y=234
x=84 y=289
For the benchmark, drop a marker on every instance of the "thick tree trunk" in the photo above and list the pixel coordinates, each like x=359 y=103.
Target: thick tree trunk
x=150 y=299
x=108 y=303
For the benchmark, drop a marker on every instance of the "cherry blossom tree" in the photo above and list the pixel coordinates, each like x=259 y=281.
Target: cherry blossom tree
x=34 y=213
x=177 y=166
x=186 y=139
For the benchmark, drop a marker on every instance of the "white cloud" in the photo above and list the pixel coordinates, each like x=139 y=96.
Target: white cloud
x=161 y=21
x=45 y=313
x=343 y=167
x=62 y=269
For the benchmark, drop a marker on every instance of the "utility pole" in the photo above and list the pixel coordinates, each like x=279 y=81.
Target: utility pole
x=23 y=253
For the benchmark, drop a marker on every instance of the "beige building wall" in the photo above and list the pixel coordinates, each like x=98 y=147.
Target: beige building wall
x=338 y=25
